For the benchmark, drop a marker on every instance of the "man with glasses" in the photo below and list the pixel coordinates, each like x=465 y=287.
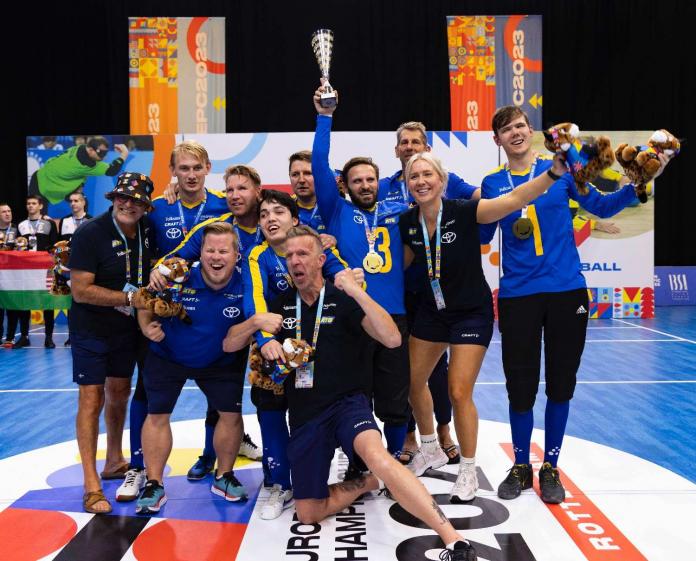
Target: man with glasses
x=109 y=261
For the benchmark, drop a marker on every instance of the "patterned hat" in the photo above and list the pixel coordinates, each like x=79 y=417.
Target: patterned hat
x=135 y=185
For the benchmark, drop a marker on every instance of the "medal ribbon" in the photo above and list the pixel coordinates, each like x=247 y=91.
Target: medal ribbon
x=140 y=254
x=426 y=243
x=239 y=236
x=282 y=268
x=317 y=321
x=512 y=185
x=184 y=228
x=370 y=232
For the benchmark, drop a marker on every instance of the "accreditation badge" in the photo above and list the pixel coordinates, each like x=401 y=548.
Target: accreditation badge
x=437 y=292
x=304 y=376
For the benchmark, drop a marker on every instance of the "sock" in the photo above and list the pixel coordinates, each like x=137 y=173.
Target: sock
x=521 y=425
x=274 y=435
x=467 y=463
x=209 y=449
x=555 y=420
x=395 y=436
x=137 y=412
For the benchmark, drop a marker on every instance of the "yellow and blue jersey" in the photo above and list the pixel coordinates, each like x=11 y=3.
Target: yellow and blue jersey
x=310 y=216
x=548 y=260
x=190 y=247
x=345 y=221
x=212 y=312
x=265 y=277
x=393 y=189
x=166 y=219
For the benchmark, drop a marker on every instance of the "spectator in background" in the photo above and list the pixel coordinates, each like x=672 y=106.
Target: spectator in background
x=49 y=143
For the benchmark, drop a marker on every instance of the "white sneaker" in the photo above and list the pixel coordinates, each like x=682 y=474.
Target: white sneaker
x=425 y=459
x=249 y=450
x=276 y=503
x=466 y=485
x=133 y=483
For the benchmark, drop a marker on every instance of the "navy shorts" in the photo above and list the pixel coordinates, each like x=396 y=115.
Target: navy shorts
x=474 y=327
x=164 y=380
x=313 y=444
x=95 y=358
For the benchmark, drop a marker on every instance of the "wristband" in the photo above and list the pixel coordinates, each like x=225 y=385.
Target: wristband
x=553 y=175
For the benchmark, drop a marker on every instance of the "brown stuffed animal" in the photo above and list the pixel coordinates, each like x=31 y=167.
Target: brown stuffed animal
x=641 y=163
x=167 y=303
x=586 y=157
x=21 y=244
x=269 y=375
x=61 y=273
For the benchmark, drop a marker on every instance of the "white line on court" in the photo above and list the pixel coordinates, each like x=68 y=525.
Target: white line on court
x=672 y=340
x=655 y=331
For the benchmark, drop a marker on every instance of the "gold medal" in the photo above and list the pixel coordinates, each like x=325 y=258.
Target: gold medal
x=522 y=228
x=373 y=262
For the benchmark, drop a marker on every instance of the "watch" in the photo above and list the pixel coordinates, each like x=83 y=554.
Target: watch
x=553 y=175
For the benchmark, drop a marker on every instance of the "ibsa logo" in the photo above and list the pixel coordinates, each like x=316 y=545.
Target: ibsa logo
x=600 y=266
x=679 y=286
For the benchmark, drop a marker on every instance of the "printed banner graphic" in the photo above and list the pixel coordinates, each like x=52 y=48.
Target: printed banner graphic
x=176 y=74
x=674 y=286
x=616 y=253
x=493 y=61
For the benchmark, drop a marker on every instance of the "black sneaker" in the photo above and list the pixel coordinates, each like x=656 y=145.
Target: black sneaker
x=48 y=343
x=519 y=478
x=552 y=490
x=463 y=551
x=23 y=341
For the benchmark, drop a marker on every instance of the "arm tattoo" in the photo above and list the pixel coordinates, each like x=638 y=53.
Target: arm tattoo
x=352 y=485
x=441 y=514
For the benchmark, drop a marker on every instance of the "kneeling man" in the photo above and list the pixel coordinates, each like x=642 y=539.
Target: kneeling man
x=327 y=399
x=212 y=297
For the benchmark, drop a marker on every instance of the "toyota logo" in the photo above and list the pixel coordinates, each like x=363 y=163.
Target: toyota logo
x=357 y=219
x=282 y=284
x=289 y=323
x=173 y=233
x=448 y=237
x=231 y=313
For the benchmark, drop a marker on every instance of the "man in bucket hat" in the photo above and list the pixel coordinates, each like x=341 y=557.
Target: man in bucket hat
x=110 y=259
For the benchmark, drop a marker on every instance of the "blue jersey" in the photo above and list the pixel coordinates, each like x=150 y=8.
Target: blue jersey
x=310 y=216
x=190 y=247
x=212 y=312
x=547 y=261
x=166 y=219
x=346 y=222
x=393 y=189
x=266 y=277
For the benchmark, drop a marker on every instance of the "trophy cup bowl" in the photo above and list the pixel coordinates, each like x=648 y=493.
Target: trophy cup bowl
x=322 y=45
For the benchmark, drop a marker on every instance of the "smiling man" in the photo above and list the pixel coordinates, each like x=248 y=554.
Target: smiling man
x=179 y=352
x=109 y=260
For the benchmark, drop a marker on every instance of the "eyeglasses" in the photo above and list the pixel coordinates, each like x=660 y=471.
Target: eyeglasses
x=125 y=198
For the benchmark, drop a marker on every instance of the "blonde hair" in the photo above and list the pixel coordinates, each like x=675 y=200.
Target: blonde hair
x=433 y=161
x=411 y=126
x=192 y=148
x=219 y=228
x=246 y=171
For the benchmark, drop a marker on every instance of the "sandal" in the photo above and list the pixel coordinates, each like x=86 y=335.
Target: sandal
x=408 y=454
x=91 y=498
x=118 y=473
x=452 y=453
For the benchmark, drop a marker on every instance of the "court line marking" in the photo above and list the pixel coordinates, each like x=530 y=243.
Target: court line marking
x=655 y=331
x=587 y=382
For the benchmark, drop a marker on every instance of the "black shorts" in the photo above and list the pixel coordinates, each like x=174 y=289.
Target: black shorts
x=472 y=327
x=313 y=444
x=95 y=358
x=164 y=381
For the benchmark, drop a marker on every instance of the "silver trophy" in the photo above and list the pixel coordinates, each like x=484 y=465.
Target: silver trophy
x=322 y=45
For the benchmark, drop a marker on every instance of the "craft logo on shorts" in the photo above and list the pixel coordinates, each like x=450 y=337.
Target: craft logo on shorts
x=173 y=233
x=289 y=323
x=231 y=312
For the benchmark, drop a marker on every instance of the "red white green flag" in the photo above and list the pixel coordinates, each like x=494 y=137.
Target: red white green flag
x=25 y=280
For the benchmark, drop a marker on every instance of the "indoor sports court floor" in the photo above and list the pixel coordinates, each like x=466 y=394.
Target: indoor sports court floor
x=628 y=463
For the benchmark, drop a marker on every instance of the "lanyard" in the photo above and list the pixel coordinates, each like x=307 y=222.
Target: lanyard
x=78 y=221
x=426 y=244
x=184 y=228
x=239 y=237
x=512 y=185
x=33 y=225
x=370 y=232
x=140 y=253
x=314 y=213
x=317 y=321
x=282 y=268
x=404 y=191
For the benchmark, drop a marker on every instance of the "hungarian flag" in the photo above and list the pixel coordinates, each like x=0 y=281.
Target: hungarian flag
x=25 y=280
